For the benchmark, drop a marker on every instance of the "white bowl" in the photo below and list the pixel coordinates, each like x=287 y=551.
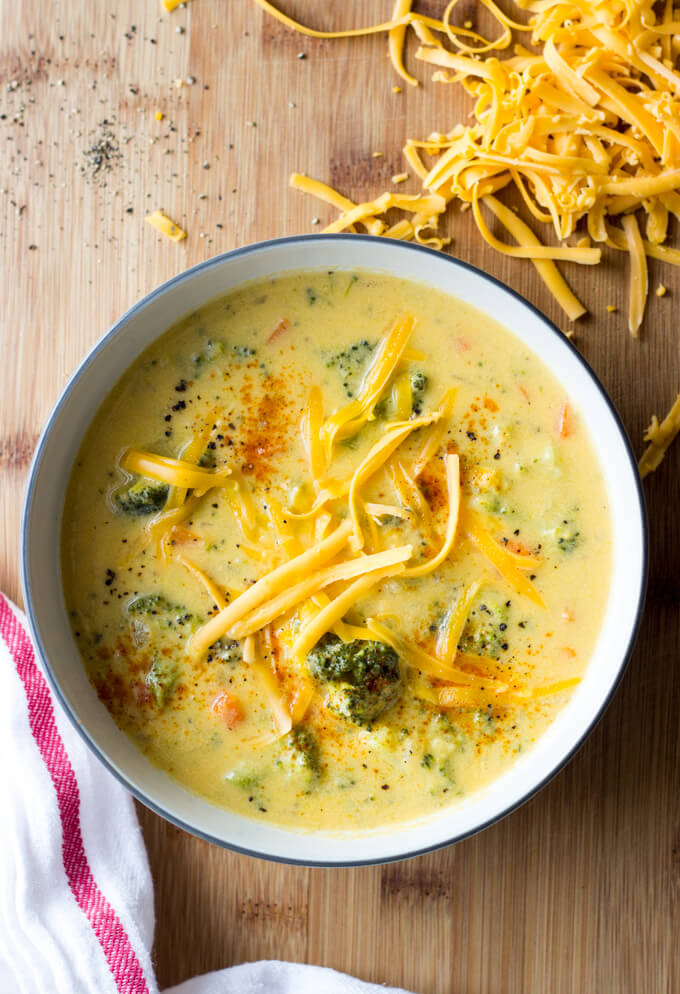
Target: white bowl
x=41 y=570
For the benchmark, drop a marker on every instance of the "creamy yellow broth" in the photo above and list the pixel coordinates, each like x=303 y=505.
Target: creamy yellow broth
x=228 y=385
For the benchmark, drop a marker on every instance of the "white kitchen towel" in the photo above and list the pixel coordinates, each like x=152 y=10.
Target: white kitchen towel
x=76 y=896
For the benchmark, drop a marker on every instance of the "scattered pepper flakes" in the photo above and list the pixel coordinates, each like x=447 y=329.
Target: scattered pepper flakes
x=103 y=155
x=611 y=308
x=301 y=55
x=162 y=223
x=661 y=290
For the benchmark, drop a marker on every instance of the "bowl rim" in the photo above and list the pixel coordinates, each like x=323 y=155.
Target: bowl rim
x=25 y=577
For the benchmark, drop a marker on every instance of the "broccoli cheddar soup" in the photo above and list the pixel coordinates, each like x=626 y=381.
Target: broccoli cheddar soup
x=336 y=550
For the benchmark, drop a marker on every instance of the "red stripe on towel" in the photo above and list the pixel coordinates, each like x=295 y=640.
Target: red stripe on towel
x=116 y=946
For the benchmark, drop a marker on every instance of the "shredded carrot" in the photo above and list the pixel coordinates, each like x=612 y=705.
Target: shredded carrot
x=229 y=709
x=279 y=329
x=564 y=421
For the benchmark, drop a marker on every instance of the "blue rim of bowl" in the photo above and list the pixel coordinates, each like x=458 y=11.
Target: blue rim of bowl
x=26 y=583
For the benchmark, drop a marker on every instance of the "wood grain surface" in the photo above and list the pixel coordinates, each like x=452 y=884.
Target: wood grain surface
x=579 y=890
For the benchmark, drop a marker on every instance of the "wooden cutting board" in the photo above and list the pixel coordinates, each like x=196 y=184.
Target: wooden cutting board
x=579 y=890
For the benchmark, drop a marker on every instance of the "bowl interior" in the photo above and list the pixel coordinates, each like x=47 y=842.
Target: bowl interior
x=41 y=571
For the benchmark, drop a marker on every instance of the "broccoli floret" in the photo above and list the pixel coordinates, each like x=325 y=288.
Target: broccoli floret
x=246 y=780
x=443 y=745
x=300 y=758
x=418 y=388
x=162 y=679
x=142 y=497
x=328 y=660
x=363 y=677
x=492 y=501
x=486 y=634
x=243 y=351
x=150 y=604
x=304 y=742
x=567 y=536
x=351 y=362
x=165 y=614
x=211 y=351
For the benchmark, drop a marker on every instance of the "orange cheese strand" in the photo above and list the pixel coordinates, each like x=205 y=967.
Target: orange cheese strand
x=175 y=472
x=660 y=437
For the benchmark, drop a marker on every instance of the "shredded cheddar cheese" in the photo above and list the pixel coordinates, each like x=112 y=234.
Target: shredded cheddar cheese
x=162 y=223
x=454 y=623
x=451 y=463
x=176 y=472
x=436 y=434
x=638 y=272
x=270 y=685
x=584 y=127
x=310 y=585
x=351 y=418
x=310 y=427
x=267 y=587
x=376 y=457
x=499 y=557
x=417 y=657
x=660 y=437
x=218 y=598
x=337 y=608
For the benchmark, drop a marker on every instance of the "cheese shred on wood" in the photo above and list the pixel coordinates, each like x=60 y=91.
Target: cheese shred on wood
x=583 y=126
x=162 y=223
x=660 y=437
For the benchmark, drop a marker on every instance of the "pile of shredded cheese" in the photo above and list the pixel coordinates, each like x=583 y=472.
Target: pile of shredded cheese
x=584 y=125
x=318 y=560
